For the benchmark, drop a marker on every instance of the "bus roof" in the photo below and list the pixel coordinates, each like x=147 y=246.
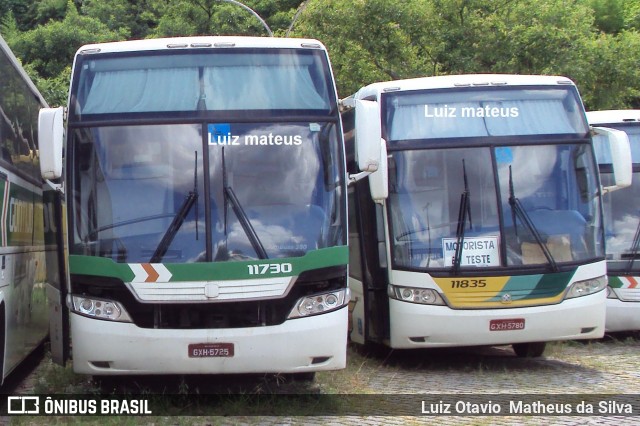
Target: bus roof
x=613 y=116
x=200 y=42
x=459 y=81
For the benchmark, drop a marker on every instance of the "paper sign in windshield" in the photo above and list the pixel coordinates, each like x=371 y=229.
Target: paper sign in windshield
x=476 y=251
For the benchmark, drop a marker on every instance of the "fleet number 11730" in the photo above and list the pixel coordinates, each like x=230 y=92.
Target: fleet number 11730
x=270 y=268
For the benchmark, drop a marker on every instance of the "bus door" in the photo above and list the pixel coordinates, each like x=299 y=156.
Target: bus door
x=56 y=260
x=366 y=235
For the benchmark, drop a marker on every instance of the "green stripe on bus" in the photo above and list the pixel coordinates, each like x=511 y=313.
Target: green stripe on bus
x=105 y=267
x=615 y=282
x=528 y=287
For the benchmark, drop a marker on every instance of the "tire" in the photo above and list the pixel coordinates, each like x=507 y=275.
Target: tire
x=108 y=384
x=370 y=348
x=529 y=350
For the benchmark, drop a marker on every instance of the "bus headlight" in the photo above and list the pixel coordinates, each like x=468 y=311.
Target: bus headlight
x=99 y=308
x=586 y=287
x=425 y=296
x=319 y=303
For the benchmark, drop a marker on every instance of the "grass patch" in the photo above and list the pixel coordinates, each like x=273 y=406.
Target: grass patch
x=50 y=378
x=362 y=366
x=368 y=384
x=201 y=395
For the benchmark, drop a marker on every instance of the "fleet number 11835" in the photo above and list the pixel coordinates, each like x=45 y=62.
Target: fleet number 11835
x=471 y=283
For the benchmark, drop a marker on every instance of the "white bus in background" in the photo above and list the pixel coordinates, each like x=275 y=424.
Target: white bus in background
x=206 y=200
x=23 y=299
x=622 y=223
x=484 y=226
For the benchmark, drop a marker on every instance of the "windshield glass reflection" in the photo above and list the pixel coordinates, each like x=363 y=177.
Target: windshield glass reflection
x=621 y=212
x=290 y=202
x=555 y=187
x=139 y=191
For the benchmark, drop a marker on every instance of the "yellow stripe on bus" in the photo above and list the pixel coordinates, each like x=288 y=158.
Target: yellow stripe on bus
x=487 y=292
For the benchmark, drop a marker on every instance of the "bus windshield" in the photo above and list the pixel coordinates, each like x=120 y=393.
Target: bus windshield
x=140 y=191
x=221 y=154
x=436 y=114
x=208 y=80
x=510 y=202
x=621 y=213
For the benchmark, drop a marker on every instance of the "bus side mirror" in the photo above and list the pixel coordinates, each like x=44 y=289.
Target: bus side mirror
x=379 y=180
x=50 y=142
x=368 y=132
x=370 y=148
x=620 y=152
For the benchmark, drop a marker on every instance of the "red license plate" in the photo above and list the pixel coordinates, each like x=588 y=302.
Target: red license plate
x=210 y=350
x=506 y=324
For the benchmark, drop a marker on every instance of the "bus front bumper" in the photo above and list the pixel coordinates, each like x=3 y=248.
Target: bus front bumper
x=415 y=325
x=297 y=346
x=622 y=316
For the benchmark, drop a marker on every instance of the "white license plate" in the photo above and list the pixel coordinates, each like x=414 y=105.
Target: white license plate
x=506 y=324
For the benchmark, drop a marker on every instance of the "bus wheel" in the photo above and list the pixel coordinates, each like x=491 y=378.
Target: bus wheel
x=529 y=350
x=107 y=384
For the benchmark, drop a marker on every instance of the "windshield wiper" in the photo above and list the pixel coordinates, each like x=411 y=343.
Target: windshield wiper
x=331 y=181
x=178 y=219
x=635 y=245
x=229 y=195
x=464 y=213
x=517 y=211
x=325 y=152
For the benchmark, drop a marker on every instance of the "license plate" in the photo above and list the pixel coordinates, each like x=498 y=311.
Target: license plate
x=506 y=324
x=210 y=350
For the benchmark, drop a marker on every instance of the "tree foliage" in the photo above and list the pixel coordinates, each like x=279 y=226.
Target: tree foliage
x=373 y=40
x=131 y=19
x=593 y=42
x=48 y=50
x=207 y=17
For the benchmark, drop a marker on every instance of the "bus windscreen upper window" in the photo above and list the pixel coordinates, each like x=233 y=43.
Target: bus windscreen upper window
x=481 y=113
x=278 y=80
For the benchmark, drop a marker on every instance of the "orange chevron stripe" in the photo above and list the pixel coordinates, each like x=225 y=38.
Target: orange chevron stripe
x=633 y=282
x=153 y=274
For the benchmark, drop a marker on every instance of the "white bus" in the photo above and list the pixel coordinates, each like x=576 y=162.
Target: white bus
x=206 y=200
x=484 y=225
x=622 y=224
x=23 y=299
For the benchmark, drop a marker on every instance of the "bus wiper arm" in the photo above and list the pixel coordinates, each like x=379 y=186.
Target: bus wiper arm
x=464 y=213
x=249 y=230
x=635 y=245
x=518 y=211
x=246 y=223
x=178 y=220
x=174 y=227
